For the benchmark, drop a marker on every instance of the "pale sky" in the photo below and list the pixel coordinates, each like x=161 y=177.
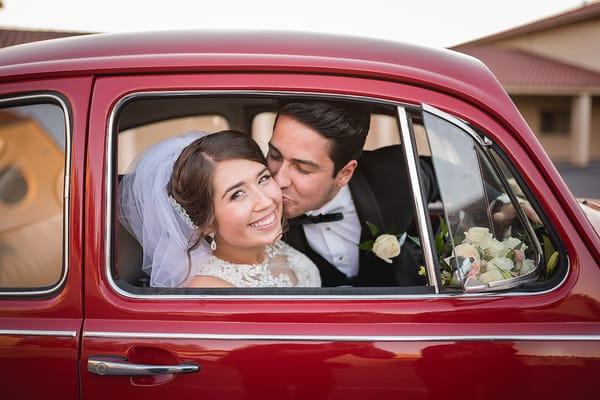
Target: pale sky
x=426 y=22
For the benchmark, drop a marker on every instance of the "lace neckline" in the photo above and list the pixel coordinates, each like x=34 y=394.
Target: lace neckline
x=269 y=252
x=282 y=267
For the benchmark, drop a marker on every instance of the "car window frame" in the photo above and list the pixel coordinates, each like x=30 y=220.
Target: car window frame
x=434 y=280
x=60 y=101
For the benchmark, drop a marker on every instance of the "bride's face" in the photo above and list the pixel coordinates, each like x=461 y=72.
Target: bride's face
x=247 y=204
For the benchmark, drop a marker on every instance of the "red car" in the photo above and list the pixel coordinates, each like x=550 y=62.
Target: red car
x=78 y=320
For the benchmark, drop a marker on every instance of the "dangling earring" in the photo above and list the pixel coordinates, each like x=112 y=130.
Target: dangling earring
x=213 y=242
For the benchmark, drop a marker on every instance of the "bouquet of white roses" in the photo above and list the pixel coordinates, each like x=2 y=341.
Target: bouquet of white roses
x=486 y=259
x=476 y=254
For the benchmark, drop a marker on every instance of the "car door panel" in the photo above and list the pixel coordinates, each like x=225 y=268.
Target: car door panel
x=419 y=346
x=40 y=334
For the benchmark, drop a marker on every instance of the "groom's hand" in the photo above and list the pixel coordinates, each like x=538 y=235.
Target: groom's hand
x=507 y=214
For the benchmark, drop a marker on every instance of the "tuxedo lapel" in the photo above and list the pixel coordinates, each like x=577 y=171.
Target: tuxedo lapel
x=366 y=204
x=372 y=270
x=330 y=275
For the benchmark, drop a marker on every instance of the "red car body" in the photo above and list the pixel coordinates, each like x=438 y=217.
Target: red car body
x=542 y=345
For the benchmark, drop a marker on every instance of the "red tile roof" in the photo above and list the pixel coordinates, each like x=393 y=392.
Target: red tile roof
x=583 y=13
x=515 y=67
x=10 y=37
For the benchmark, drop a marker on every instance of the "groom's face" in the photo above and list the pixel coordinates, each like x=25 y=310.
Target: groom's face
x=299 y=161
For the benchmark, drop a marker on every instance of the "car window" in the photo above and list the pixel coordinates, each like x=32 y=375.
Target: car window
x=133 y=141
x=256 y=115
x=32 y=173
x=488 y=236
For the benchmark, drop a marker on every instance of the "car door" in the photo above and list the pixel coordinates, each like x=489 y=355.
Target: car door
x=42 y=136
x=415 y=342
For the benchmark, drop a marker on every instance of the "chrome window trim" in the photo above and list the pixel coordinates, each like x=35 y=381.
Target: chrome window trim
x=335 y=338
x=66 y=187
x=36 y=332
x=192 y=297
x=420 y=211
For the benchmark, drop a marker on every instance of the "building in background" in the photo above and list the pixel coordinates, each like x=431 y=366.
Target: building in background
x=551 y=69
x=11 y=37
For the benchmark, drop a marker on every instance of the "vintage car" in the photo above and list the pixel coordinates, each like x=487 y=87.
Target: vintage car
x=79 y=320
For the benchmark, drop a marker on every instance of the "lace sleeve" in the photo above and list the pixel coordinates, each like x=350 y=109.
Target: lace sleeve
x=306 y=271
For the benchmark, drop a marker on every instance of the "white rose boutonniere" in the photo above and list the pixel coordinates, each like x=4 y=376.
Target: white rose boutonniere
x=385 y=246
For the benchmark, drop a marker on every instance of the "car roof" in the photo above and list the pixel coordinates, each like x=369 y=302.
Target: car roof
x=196 y=51
x=103 y=53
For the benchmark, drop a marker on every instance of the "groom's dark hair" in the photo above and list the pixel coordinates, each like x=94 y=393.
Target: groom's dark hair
x=345 y=124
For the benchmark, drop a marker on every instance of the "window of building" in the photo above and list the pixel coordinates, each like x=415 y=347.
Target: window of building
x=555 y=122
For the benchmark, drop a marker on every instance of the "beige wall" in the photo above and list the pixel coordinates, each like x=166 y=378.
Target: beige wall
x=595 y=145
x=576 y=44
x=558 y=147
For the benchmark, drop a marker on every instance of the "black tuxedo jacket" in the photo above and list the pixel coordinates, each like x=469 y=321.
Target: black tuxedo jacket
x=381 y=192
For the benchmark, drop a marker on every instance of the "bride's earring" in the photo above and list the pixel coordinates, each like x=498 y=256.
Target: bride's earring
x=213 y=242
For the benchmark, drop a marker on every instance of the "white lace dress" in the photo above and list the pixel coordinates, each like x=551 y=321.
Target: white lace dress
x=283 y=266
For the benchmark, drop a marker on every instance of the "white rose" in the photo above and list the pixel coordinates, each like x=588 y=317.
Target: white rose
x=503 y=263
x=386 y=247
x=527 y=266
x=497 y=248
x=478 y=236
x=467 y=250
x=490 y=276
x=512 y=242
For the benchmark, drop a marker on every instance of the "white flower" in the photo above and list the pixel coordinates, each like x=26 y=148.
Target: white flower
x=497 y=248
x=490 y=276
x=503 y=263
x=527 y=266
x=386 y=247
x=467 y=250
x=478 y=236
x=512 y=242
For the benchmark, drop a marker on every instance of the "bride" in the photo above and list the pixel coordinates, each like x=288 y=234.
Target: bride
x=208 y=214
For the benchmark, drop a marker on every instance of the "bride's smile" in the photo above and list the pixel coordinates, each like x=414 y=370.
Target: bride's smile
x=267 y=222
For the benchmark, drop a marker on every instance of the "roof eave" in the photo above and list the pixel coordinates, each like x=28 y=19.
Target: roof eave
x=557 y=90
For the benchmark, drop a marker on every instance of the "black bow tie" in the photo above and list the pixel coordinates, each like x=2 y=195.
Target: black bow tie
x=316 y=219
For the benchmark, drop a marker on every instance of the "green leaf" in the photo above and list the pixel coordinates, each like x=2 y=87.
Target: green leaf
x=439 y=243
x=552 y=262
x=510 y=254
x=415 y=240
x=373 y=229
x=390 y=230
x=505 y=274
x=368 y=245
x=549 y=249
x=422 y=271
x=443 y=226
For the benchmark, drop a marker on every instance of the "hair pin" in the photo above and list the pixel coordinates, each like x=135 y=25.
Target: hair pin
x=182 y=213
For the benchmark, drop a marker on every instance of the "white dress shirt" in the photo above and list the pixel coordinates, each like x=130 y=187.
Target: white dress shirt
x=337 y=242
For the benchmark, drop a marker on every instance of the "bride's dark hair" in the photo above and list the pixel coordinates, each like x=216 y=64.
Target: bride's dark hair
x=191 y=183
x=191 y=180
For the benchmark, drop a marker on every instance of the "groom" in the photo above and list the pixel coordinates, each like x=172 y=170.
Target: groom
x=332 y=188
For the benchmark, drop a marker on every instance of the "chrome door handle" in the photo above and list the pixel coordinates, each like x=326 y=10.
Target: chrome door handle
x=119 y=366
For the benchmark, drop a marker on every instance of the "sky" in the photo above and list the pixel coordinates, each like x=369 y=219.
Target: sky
x=425 y=22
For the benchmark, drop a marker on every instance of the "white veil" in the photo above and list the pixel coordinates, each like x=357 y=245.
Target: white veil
x=146 y=211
